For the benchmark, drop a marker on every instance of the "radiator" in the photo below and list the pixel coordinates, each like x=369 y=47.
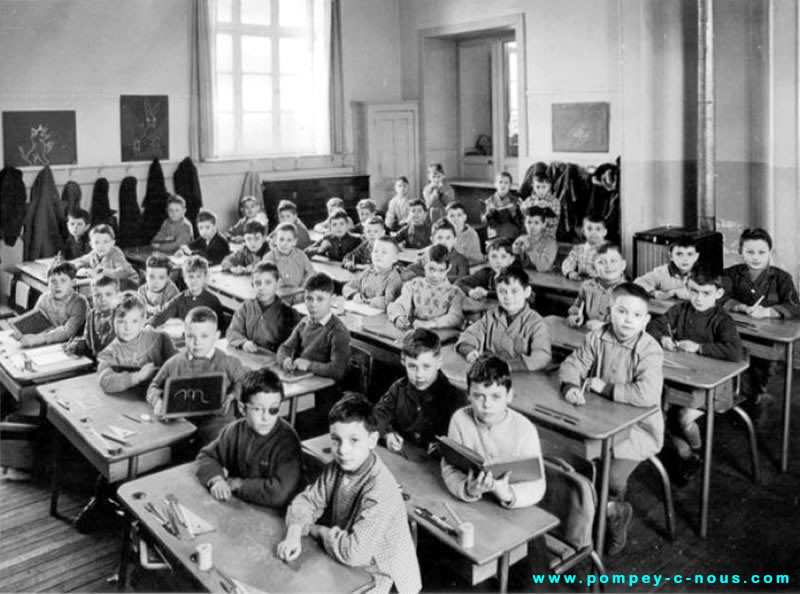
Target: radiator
x=651 y=248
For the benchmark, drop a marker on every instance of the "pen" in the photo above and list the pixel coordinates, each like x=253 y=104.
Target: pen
x=757 y=303
x=669 y=329
x=132 y=418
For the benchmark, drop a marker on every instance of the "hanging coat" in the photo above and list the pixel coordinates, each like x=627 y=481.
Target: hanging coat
x=130 y=232
x=154 y=205
x=101 y=213
x=43 y=220
x=12 y=204
x=70 y=202
x=187 y=184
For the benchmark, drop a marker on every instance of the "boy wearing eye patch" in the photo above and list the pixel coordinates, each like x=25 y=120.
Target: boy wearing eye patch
x=256 y=458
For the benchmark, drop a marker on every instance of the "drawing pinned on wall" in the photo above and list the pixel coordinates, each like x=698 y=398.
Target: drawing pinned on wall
x=580 y=127
x=38 y=138
x=144 y=123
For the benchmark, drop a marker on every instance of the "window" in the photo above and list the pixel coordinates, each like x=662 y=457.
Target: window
x=271 y=77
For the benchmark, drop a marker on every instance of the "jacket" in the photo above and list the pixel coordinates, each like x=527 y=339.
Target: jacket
x=774 y=284
x=130 y=233
x=12 y=204
x=154 y=205
x=44 y=218
x=187 y=185
x=101 y=213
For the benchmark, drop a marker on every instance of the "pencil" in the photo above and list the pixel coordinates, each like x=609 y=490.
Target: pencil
x=757 y=303
x=669 y=329
x=453 y=513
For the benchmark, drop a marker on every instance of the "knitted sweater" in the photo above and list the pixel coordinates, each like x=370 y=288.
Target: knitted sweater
x=420 y=300
x=665 y=278
x=151 y=346
x=75 y=248
x=114 y=263
x=326 y=346
x=414 y=236
x=267 y=326
x=244 y=258
x=173 y=234
x=335 y=248
x=581 y=260
x=469 y=244
x=713 y=329
x=157 y=301
x=378 y=288
x=459 y=267
x=183 y=303
x=213 y=251
x=294 y=267
x=594 y=299
x=98 y=332
x=66 y=315
x=536 y=252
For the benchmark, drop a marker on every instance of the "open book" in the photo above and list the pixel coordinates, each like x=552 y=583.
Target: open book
x=466 y=459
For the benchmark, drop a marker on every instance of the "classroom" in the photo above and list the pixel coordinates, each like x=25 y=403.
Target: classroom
x=399 y=295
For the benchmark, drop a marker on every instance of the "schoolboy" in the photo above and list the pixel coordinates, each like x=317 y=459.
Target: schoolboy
x=158 y=289
x=537 y=249
x=365 y=516
x=512 y=330
x=256 y=458
x=500 y=210
x=416 y=232
x=698 y=326
x=250 y=211
x=106 y=258
x=287 y=213
x=62 y=305
x=320 y=343
x=430 y=301
x=398 y=209
x=292 y=263
x=542 y=196
x=201 y=357
x=482 y=283
x=620 y=361
x=467 y=241
x=176 y=230
x=78 y=222
x=252 y=252
x=488 y=426
x=195 y=275
x=332 y=205
x=593 y=304
x=373 y=229
x=338 y=242
x=670 y=281
x=265 y=321
x=379 y=284
x=366 y=209
x=418 y=407
x=442 y=233
x=210 y=244
x=136 y=353
x=580 y=260
x=437 y=193
x=759 y=290
x=98 y=331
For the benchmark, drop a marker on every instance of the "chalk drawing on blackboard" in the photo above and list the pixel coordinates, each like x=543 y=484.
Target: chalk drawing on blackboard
x=202 y=394
x=580 y=127
x=38 y=138
x=144 y=122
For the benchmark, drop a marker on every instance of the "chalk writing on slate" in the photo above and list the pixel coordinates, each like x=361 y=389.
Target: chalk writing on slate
x=195 y=395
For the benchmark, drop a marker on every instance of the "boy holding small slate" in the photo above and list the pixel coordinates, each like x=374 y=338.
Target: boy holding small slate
x=256 y=458
x=201 y=358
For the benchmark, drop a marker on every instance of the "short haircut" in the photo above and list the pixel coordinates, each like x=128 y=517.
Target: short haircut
x=488 y=370
x=401 y=178
x=389 y=240
x=66 y=268
x=195 y=264
x=290 y=227
x=511 y=274
x=260 y=380
x=684 y=241
x=176 y=199
x=104 y=230
x=420 y=340
x=253 y=227
x=543 y=212
x=79 y=213
x=608 y=247
x=105 y=280
x=335 y=201
x=353 y=407
x=320 y=282
x=339 y=213
x=436 y=168
x=369 y=204
x=593 y=218
x=455 y=206
x=631 y=290
x=127 y=302
x=287 y=205
x=201 y=314
x=158 y=261
x=266 y=268
x=206 y=216
x=542 y=177
x=704 y=277
x=502 y=243
x=755 y=234
x=506 y=175
x=375 y=220
x=443 y=224
x=417 y=202
x=439 y=254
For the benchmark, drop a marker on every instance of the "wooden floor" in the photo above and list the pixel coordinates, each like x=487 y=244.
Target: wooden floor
x=752 y=528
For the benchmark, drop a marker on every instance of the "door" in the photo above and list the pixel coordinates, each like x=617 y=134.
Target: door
x=392 y=149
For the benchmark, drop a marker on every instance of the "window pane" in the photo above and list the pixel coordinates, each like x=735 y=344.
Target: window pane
x=224 y=88
x=256 y=54
x=256 y=92
x=296 y=94
x=224 y=134
x=512 y=100
x=257 y=134
x=256 y=12
x=294 y=55
x=293 y=13
x=224 y=52
x=224 y=11
x=296 y=133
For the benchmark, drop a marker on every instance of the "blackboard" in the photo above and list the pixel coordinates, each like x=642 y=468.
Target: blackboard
x=193 y=396
x=580 y=127
x=144 y=127
x=39 y=138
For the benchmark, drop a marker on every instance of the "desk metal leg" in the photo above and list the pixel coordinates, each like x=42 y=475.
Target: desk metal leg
x=709 y=448
x=787 y=405
x=55 y=478
x=602 y=508
x=293 y=410
x=122 y=572
x=133 y=467
x=502 y=571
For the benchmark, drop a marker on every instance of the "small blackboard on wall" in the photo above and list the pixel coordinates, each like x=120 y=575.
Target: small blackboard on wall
x=580 y=127
x=39 y=138
x=194 y=396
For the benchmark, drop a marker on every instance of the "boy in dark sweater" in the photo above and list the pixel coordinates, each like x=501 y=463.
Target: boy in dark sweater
x=320 y=343
x=482 y=284
x=78 y=222
x=98 y=332
x=418 y=407
x=211 y=245
x=442 y=233
x=254 y=249
x=416 y=233
x=256 y=458
x=338 y=242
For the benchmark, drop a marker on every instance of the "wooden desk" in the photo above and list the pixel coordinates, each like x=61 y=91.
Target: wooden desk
x=243 y=543
x=593 y=426
x=501 y=535
x=34 y=274
x=332 y=269
x=554 y=282
x=233 y=289
x=137 y=256
x=411 y=255
x=90 y=412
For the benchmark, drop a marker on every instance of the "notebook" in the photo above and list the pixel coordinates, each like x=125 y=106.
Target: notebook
x=466 y=459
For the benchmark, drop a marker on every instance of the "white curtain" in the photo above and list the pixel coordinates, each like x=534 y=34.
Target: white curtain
x=336 y=100
x=201 y=122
